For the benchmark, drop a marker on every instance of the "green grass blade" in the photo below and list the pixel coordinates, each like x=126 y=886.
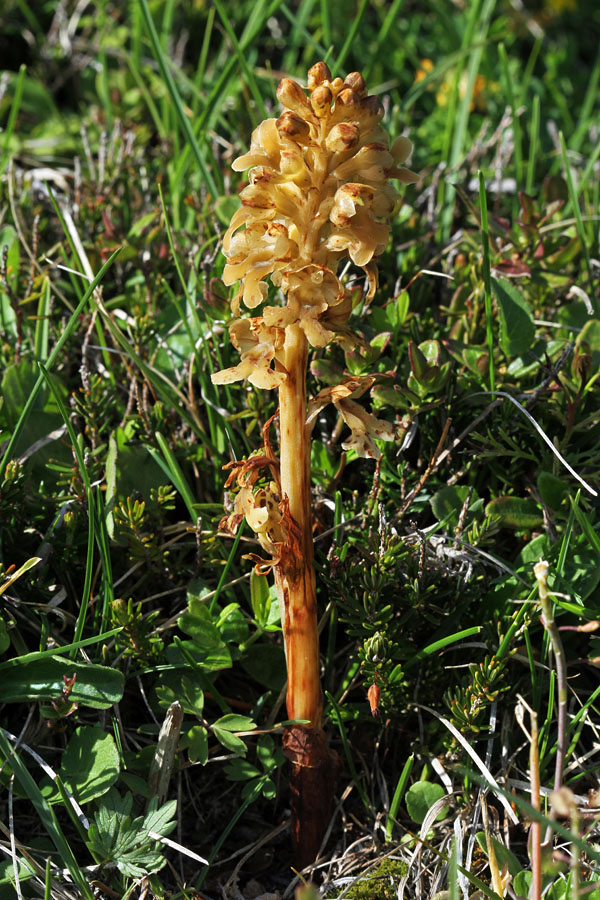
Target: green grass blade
x=580 y=229
x=326 y=23
x=46 y=815
x=459 y=112
x=69 y=425
x=202 y=60
x=59 y=650
x=69 y=329
x=398 y=795
x=228 y=563
x=161 y=59
x=487 y=285
x=89 y=571
x=42 y=323
x=390 y=18
x=430 y=649
x=252 y=796
x=516 y=124
x=347 y=753
x=12 y=116
x=320 y=52
x=241 y=58
x=176 y=475
x=586 y=116
x=336 y=66
x=534 y=134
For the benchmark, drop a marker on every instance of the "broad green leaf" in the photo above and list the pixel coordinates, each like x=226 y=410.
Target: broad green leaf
x=198 y=744
x=136 y=471
x=232 y=722
x=17 y=385
x=517 y=330
x=240 y=770
x=161 y=820
x=266 y=664
x=269 y=789
x=42 y=679
x=448 y=502
x=260 y=597
x=206 y=645
x=552 y=490
x=420 y=797
x=233 y=625
x=7 y=874
x=522 y=883
x=504 y=856
x=230 y=741
x=515 y=512
x=89 y=765
x=187 y=690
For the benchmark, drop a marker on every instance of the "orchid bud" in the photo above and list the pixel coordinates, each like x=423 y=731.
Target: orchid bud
x=317 y=74
x=291 y=125
x=356 y=83
x=290 y=94
x=344 y=136
x=320 y=100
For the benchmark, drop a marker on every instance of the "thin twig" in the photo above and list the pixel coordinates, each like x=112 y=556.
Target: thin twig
x=433 y=464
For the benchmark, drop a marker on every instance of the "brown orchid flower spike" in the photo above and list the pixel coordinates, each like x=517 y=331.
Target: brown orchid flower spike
x=319 y=193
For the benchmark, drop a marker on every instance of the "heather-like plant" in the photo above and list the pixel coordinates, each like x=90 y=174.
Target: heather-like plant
x=319 y=194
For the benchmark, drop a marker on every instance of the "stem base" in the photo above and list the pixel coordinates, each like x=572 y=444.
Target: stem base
x=312 y=780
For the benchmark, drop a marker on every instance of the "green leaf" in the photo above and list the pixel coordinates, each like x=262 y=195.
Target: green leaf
x=161 y=820
x=233 y=625
x=232 y=722
x=198 y=744
x=42 y=679
x=522 y=883
x=18 y=383
x=448 y=502
x=4 y=637
x=504 y=856
x=230 y=741
x=240 y=770
x=517 y=329
x=188 y=690
x=115 y=837
x=552 y=490
x=266 y=664
x=418 y=361
x=207 y=645
x=420 y=797
x=269 y=756
x=515 y=512
x=225 y=207
x=260 y=597
x=269 y=789
x=111 y=486
x=89 y=765
x=7 y=874
x=10 y=239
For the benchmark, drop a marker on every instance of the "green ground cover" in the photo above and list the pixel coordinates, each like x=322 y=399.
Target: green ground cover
x=119 y=594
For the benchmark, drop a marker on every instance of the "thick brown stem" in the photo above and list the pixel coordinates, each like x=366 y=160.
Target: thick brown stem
x=311 y=777
x=296 y=577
